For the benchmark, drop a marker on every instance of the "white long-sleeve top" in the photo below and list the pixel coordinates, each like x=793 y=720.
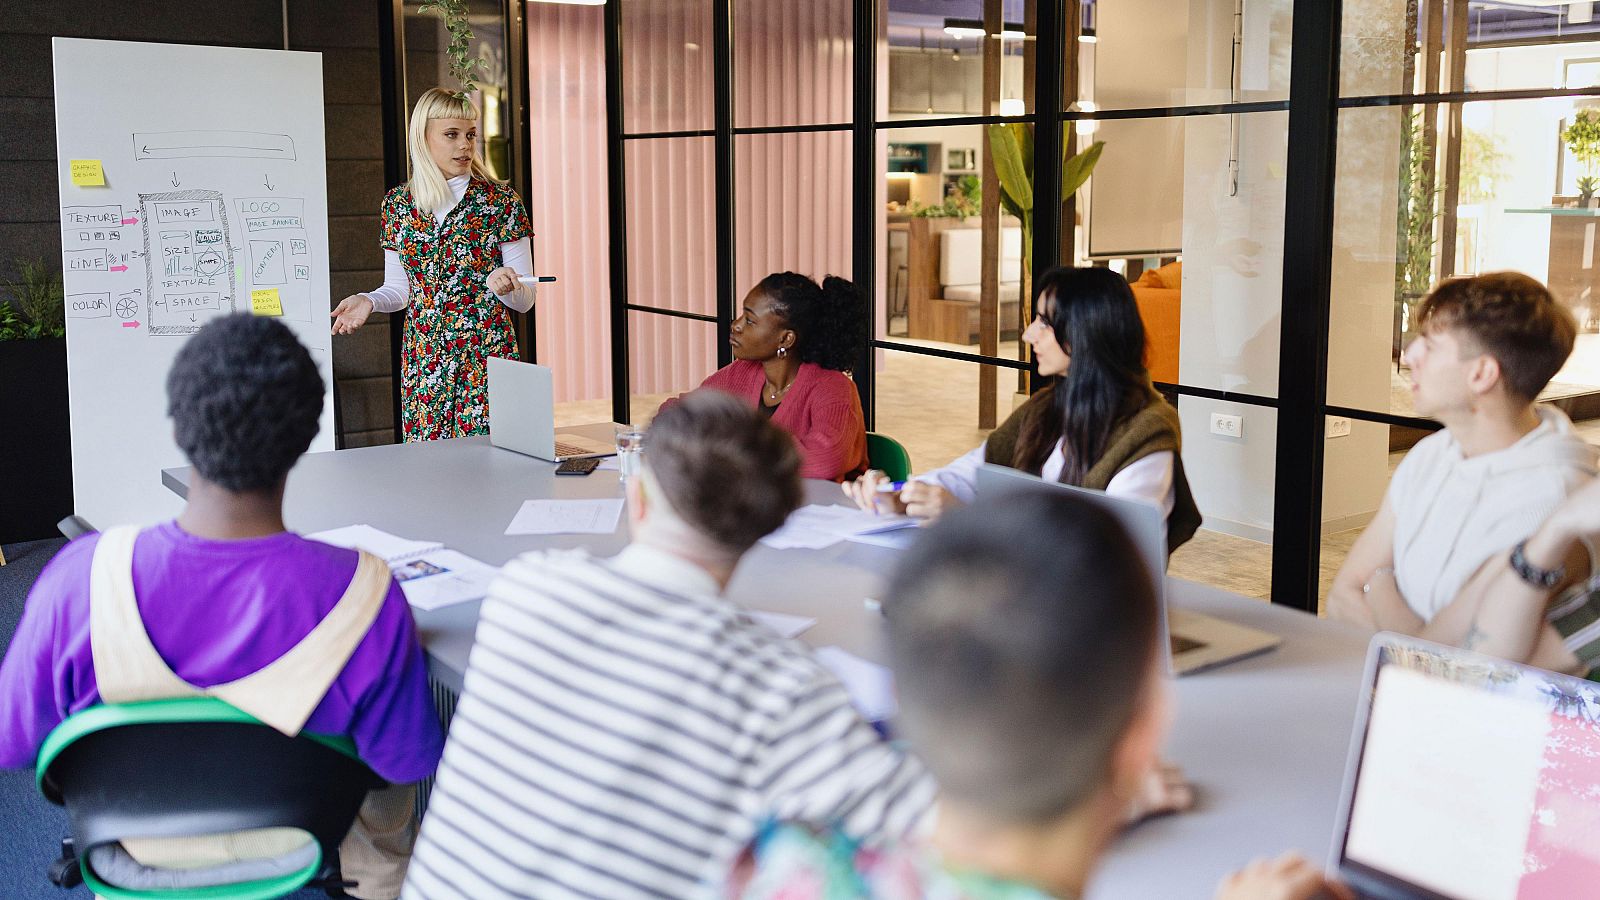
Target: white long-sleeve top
x=1148 y=479
x=395 y=292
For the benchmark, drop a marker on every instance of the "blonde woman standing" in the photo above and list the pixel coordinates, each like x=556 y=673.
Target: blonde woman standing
x=455 y=241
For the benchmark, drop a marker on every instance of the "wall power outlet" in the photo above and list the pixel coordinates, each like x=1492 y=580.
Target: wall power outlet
x=1227 y=426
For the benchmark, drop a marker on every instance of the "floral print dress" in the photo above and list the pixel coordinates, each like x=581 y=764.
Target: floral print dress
x=454 y=323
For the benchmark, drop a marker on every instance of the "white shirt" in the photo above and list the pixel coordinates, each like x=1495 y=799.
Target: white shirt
x=1452 y=514
x=395 y=293
x=1149 y=479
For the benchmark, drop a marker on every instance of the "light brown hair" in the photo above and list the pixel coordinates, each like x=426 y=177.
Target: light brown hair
x=727 y=471
x=1511 y=317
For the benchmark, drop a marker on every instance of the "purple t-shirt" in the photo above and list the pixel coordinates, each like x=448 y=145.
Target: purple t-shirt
x=218 y=611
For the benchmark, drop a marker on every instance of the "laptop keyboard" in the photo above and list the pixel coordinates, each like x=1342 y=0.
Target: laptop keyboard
x=571 y=449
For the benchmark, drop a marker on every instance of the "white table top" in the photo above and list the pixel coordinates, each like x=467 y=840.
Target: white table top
x=1264 y=739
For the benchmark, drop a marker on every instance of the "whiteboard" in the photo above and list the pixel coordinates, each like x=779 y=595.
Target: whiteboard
x=214 y=201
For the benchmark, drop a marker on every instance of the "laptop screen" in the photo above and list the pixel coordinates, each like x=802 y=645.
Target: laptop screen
x=1472 y=778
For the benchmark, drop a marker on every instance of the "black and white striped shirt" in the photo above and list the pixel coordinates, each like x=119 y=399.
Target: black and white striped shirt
x=625 y=731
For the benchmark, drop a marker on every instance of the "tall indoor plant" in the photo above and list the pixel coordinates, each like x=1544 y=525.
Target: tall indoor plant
x=1011 y=146
x=36 y=455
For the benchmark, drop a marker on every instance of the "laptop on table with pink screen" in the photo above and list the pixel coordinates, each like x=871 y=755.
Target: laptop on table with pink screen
x=1470 y=778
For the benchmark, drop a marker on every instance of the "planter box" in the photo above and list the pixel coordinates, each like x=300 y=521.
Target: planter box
x=35 y=440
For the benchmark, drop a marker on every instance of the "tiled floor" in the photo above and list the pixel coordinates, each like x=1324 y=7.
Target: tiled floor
x=930 y=405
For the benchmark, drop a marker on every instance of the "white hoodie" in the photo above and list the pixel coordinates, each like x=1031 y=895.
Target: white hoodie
x=1452 y=513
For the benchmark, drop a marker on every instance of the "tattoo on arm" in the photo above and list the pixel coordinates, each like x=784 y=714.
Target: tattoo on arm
x=1474 y=638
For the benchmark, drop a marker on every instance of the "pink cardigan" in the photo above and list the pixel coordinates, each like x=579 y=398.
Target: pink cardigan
x=822 y=410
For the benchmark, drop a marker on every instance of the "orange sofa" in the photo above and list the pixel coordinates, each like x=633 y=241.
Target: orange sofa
x=1158 y=293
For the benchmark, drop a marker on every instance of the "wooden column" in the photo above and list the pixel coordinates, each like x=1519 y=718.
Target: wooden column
x=1456 y=61
x=989 y=295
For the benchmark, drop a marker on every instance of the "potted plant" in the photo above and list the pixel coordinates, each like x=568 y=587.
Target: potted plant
x=1583 y=139
x=36 y=455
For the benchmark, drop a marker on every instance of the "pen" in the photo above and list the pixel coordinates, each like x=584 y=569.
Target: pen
x=891 y=487
x=536 y=279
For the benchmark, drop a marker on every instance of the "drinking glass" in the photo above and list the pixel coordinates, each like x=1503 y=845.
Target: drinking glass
x=630 y=450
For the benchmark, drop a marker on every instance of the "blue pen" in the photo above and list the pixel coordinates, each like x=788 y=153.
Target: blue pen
x=891 y=487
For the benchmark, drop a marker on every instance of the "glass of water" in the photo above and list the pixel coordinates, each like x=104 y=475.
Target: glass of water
x=630 y=450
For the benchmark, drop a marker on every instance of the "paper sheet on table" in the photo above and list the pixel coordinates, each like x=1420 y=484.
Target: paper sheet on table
x=567 y=517
x=783 y=623
x=391 y=548
x=871 y=686
x=609 y=464
x=442 y=578
x=897 y=539
x=816 y=526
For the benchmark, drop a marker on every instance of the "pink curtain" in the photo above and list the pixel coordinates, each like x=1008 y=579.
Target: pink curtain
x=791 y=191
x=567 y=117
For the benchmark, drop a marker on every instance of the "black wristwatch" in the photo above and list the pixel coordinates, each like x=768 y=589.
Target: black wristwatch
x=1533 y=575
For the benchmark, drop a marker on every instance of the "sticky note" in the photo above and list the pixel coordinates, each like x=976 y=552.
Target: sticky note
x=266 y=302
x=87 y=173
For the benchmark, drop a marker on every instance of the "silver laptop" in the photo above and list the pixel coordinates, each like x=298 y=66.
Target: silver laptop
x=522 y=415
x=1194 y=641
x=1469 y=778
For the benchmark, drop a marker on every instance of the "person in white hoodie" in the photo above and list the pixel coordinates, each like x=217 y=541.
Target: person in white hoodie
x=1464 y=500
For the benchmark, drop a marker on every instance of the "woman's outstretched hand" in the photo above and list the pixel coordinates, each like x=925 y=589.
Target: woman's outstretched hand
x=351 y=313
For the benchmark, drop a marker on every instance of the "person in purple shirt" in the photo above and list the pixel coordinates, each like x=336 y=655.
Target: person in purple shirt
x=225 y=589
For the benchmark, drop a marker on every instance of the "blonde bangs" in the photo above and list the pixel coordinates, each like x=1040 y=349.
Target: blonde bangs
x=430 y=193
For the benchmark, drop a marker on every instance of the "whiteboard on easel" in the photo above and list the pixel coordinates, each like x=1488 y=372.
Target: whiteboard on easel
x=193 y=185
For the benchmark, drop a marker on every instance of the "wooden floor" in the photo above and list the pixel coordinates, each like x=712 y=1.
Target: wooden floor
x=931 y=406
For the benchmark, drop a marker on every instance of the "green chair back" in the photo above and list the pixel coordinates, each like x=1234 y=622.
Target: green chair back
x=888 y=456
x=163 y=712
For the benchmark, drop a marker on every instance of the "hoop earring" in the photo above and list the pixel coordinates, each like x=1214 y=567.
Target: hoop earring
x=782 y=352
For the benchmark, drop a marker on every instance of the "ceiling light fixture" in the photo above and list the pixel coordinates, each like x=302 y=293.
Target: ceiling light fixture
x=973 y=28
x=964 y=28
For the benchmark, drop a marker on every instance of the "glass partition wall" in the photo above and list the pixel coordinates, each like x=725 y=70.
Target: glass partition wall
x=1279 y=181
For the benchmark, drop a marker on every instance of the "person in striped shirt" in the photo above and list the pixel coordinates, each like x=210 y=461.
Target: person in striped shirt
x=625 y=729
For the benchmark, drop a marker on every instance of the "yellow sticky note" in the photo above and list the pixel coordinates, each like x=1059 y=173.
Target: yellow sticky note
x=266 y=302
x=87 y=173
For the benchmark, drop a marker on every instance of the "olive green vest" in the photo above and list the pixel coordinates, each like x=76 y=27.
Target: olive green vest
x=1152 y=429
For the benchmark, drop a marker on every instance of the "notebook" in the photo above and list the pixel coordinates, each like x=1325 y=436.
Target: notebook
x=1469 y=777
x=430 y=574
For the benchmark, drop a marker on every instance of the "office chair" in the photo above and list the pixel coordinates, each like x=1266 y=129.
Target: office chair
x=191 y=767
x=888 y=456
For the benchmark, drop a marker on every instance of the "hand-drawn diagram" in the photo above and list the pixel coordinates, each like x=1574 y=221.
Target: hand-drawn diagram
x=188 y=144
x=84 y=260
x=92 y=226
x=189 y=270
x=279 y=251
x=88 y=306
x=127 y=305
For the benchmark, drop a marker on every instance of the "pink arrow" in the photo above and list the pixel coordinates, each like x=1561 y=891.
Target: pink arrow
x=119 y=268
x=131 y=220
x=133 y=324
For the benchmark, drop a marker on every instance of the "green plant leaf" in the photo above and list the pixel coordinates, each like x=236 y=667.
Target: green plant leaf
x=1016 y=183
x=1075 y=171
x=463 y=65
x=1023 y=132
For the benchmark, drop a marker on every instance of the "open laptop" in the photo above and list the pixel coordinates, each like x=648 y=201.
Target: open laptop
x=1194 y=641
x=522 y=415
x=1469 y=778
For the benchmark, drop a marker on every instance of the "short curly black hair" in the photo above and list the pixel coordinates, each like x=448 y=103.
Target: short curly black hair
x=244 y=396
x=829 y=321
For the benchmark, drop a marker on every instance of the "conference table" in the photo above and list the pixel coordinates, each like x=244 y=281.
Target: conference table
x=1264 y=739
